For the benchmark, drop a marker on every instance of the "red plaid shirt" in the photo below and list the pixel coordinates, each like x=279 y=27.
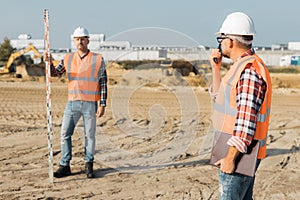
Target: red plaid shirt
x=250 y=92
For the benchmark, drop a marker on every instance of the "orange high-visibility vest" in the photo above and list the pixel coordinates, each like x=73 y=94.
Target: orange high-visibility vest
x=83 y=76
x=225 y=109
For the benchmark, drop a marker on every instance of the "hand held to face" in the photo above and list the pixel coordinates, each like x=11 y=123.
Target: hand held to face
x=46 y=58
x=216 y=58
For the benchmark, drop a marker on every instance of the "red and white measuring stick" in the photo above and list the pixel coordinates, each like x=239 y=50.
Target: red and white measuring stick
x=48 y=95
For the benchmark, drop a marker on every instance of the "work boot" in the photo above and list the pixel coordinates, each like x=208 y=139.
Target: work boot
x=89 y=170
x=62 y=171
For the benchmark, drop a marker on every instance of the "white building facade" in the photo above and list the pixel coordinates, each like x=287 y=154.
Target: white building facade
x=124 y=50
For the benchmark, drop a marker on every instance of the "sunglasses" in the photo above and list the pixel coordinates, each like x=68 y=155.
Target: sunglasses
x=221 y=38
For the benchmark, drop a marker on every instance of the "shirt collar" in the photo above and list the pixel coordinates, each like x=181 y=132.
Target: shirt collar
x=82 y=57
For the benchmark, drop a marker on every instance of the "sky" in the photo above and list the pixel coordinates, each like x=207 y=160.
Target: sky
x=276 y=22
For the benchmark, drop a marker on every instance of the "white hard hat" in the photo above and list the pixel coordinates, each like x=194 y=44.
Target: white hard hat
x=80 y=32
x=238 y=23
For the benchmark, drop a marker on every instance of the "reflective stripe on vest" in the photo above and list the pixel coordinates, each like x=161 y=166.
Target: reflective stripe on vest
x=225 y=110
x=91 y=78
x=83 y=80
x=263 y=117
x=69 y=65
x=263 y=142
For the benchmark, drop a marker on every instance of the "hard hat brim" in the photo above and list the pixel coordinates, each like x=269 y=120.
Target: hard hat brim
x=218 y=33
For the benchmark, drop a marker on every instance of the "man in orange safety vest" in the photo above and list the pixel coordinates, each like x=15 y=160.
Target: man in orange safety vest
x=87 y=85
x=242 y=101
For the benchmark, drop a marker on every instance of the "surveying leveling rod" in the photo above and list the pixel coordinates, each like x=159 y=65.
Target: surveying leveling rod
x=48 y=95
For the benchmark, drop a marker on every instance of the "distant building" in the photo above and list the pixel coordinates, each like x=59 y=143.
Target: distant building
x=275 y=55
x=294 y=46
x=114 y=45
x=281 y=47
x=24 y=40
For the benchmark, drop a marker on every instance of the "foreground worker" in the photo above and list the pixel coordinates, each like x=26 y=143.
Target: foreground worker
x=242 y=100
x=87 y=84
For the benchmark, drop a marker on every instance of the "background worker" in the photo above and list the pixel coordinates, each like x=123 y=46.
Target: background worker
x=87 y=84
x=242 y=100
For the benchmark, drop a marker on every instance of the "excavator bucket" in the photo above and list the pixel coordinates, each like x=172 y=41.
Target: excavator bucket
x=25 y=71
x=21 y=71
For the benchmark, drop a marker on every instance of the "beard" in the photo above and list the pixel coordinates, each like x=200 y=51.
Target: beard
x=81 y=47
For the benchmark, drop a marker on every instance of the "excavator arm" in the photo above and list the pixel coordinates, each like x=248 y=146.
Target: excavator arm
x=14 y=56
x=17 y=54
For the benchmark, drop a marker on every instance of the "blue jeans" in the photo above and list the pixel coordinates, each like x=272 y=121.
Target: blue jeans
x=236 y=186
x=73 y=111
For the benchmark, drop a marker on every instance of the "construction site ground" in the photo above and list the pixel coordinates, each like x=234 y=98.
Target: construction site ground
x=182 y=174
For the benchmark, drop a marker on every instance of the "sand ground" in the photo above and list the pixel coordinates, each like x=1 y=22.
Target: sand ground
x=148 y=143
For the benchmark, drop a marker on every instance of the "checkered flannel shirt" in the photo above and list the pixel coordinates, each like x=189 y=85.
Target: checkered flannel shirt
x=250 y=92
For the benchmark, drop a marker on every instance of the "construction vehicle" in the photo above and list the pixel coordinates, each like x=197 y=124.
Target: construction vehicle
x=20 y=69
x=7 y=68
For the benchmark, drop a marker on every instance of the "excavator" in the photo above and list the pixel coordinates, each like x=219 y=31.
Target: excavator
x=22 y=69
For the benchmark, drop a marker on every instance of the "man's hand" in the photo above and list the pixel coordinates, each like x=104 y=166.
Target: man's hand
x=227 y=164
x=100 y=111
x=216 y=54
x=46 y=58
